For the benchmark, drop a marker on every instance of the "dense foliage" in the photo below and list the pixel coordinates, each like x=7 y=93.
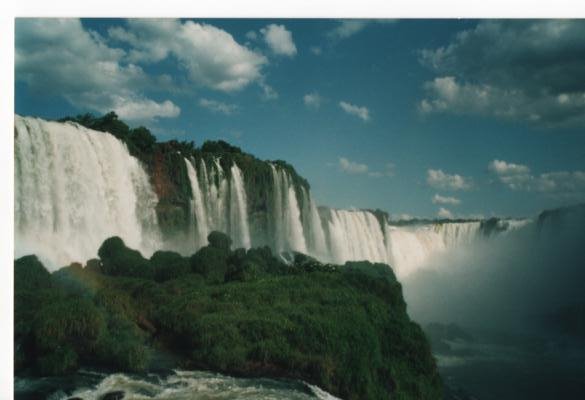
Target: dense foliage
x=243 y=312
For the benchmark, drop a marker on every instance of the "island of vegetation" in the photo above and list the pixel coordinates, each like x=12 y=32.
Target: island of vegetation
x=240 y=312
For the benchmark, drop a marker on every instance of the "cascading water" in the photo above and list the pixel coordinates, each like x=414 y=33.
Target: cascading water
x=410 y=247
x=355 y=235
x=74 y=188
x=286 y=215
x=218 y=204
x=315 y=236
x=239 y=228
x=197 y=208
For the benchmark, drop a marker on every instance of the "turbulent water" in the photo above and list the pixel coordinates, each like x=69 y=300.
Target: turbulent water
x=75 y=187
x=179 y=385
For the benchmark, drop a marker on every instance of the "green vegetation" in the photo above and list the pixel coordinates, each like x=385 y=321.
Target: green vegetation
x=242 y=312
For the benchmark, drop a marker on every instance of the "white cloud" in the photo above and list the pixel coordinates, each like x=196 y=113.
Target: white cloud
x=440 y=180
x=444 y=213
x=252 y=35
x=355 y=168
x=503 y=168
x=352 y=167
x=446 y=94
x=388 y=171
x=349 y=27
x=279 y=39
x=312 y=100
x=518 y=177
x=60 y=57
x=144 y=109
x=210 y=56
x=316 y=50
x=515 y=69
x=218 y=106
x=361 y=112
x=438 y=199
x=268 y=92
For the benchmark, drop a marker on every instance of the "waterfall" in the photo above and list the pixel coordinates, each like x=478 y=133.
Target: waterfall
x=198 y=212
x=287 y=225
x=410 y=247
x=239 y=229
x=355 y=235
x=74 y=188
x=218 y=204
x=277 y=220
x=315 y=236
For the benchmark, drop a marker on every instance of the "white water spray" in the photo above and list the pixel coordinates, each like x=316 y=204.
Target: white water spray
x=74 y=188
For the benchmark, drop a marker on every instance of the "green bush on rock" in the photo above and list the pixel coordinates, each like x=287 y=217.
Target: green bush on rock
x=243 y=312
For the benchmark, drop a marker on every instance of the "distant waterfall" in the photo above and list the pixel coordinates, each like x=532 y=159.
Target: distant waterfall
x=218 y=204
x=410 y=247
x=286 y=215
x=74 y=188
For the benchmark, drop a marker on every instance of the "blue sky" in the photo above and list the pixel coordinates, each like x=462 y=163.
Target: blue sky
x=421 y=117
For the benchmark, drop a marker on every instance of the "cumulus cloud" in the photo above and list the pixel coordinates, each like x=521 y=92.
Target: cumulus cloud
x=252 y=35
x=218 y=106
x=316 y=50
x=388 y=171
x=361 y=112
x=438 y=179
x=444 y=213
x=60 y=57
x=530 y=70
x=268 y=92
x=279 y=39
x=519 y=177
x=312 y=100
x=355 y=168
x=349 y=27
x=144 y=109
x=210 y=56
x=503 y=168
x=352 y=167
x=438 y=199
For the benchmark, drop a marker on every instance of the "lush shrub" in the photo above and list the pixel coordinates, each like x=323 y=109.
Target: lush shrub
x=119 y=260
x=219 y=147
x=219 y=240
x=142 y=139
x=30 y=274
x=59 y=361
x=211 y=263
x=122 y=346
x=169 y=265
